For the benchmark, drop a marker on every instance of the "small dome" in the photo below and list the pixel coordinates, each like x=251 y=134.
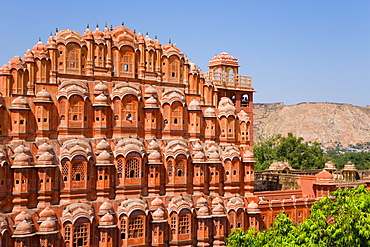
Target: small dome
x=148 y=40
x=213 y=153
x=97 y=34
x=218 y=210
x=28 y=56
x=22 y=158
x=223 y=59
x=330 y=166
x=159 y=214
x=324 y=175
x=106 y=220
x=15 y=62
x=46 y=156
x=106 y=207
x=107 y=34
x=140 y=38
x=154 y=156
x=39 y=47
x=100 y=88
x=23 y=216
x=104 y=156
x=153 y=145
x=21 y=149
x=157 y=202
x=194 y=105
x=47 y=213
x=51 y=43
x=243 y=116
x=197 y=147
x=248 y=156
x=203 y=211
x=252 y=205
x=349 y=166
x=88 y=34
x=151 y=102
x=253 y=208
x=156 y=43
x=125 y=36
x=150 y=91
x=101 y=100
x=216 y=201
x=23 y=228
x=103 y=145
x=209 y=112
x=48 y=225
x=45 y=147
x=20 y=103
x=199 y=156
x=202 y=202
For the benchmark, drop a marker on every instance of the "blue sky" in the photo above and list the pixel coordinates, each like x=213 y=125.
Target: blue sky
x=295 y=50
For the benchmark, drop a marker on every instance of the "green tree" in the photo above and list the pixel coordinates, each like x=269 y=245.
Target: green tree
x=342 y=220
x=298 y=154
x=360 y=159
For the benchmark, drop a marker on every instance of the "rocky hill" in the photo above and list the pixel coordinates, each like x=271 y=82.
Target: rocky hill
x=326 y=123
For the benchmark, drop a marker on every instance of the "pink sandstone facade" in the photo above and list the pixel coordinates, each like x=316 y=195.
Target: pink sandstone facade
x=111 y=139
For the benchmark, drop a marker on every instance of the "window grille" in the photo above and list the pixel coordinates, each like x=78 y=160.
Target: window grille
x=132 y=168
x=135 y=228
x=80 y=235
x=184 y=224
x=78 y=172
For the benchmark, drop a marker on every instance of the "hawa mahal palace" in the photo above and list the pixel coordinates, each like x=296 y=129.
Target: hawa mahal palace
x=111 y=139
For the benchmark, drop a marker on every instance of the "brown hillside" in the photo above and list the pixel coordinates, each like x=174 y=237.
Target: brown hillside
x=325 y=123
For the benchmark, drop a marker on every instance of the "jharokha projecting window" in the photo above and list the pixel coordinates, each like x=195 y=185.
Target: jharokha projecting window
x=129 y=107
x=80 y=235
x=74 y=173
x=126 y=61
x=177 y=115
x=73 y=57
x=76 y=109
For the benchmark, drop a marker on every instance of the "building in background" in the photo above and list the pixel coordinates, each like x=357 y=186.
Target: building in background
x=111 y=139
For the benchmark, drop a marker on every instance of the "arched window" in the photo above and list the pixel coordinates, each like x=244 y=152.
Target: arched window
x=184 y=224
x=130 y=109
x=136 y=228
x=180 y=168
x=231 y=96
x=76 y=111
x=73 y=57
x=78 y=171
x=232 y=219
x=80 y=237
x=151 y=61
x=126 y=66
x=99 y=55
x=65 y=170
x=120 y=162
x=123 y=228
x=132 y=168
x=67 y=234
x=170 y=168
x=245 y=100
x=174 y=69
x=177 y=116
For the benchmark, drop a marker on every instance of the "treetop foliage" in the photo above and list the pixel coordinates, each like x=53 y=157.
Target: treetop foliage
x=290 y=149
x=341 y=220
